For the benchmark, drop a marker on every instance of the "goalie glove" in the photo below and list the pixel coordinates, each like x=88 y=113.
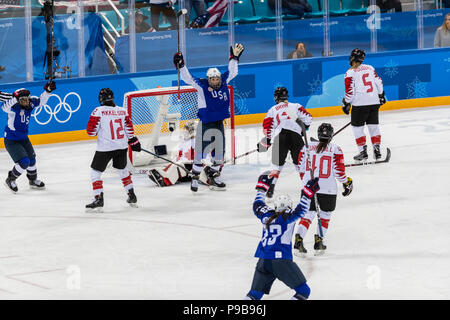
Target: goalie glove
x=382 y=98
x=263 y=145
x=348 y=187
x=346 y=106
x=134 y=144
x=264 y=181
x=236 y=52
x=178 y=60
x=311 y=187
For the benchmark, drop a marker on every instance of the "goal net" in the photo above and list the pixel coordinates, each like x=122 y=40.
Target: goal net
x=159 y=117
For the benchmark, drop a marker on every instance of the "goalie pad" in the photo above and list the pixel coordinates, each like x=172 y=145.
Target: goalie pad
x=169 y=174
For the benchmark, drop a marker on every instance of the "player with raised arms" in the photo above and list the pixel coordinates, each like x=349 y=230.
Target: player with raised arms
x=275 y=248
x=283 y=133
x=19 y=108
x=327 y=161
x=114 y=130
x=213 y=109
x=364 y=95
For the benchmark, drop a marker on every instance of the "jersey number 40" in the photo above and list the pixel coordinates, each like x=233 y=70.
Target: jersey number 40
x=324 y=166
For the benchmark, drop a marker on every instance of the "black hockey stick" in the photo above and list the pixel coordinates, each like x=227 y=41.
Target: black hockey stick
x=386 y=159
x=178 y=15
x=319 y=221
x=315 y=140
x=165 y=159
x=241 y=156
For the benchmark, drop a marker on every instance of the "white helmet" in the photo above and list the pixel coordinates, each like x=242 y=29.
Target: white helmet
x=282 y=202
x=213 y=72
x=189 y=130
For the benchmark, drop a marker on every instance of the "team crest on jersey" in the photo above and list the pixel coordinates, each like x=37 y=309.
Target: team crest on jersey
x=210 y=89
x=22 y=112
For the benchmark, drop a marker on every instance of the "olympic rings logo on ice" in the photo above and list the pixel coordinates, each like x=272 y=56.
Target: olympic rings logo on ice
x=53 y=113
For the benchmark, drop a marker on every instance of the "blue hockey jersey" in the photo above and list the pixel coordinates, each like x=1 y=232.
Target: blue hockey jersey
x=19 y=118
x=276 y=241
x=213 y=105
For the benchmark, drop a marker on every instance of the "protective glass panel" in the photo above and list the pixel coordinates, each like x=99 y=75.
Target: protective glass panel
x=433 y=27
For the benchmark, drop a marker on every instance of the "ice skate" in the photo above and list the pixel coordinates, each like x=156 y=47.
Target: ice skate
x=299 y=249
x=37 y=184
x=156 y=177
x=132 y=200
x=194 y=183
x=362 y=156
x=214 y=180
x=10 y=183
x=319 y=247
x=96 y=205
x=376 y=152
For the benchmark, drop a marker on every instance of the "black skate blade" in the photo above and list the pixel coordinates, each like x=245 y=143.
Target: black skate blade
x=300 y=254
x=215 y=188
x=13 y=192
x=319 y=252
x=37 y=188
x=94 y=210
x=133 y=205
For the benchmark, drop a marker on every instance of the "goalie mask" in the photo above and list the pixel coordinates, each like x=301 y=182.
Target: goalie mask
x=357 y=55
x=214 y=78
x=189 y=130
x=282 y=202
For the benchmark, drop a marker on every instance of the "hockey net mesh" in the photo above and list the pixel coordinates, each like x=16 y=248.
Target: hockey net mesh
x=153 y=110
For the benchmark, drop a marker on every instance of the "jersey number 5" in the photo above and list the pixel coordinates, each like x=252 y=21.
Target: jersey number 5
x=118 y=131
x=367 y=83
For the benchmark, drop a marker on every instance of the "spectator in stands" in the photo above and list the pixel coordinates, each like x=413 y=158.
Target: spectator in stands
x=199 y=8
x=141 y=25
x=299 y=52
x=166 y=8
x=294 y=7
x=442 y=35
x=390 y=4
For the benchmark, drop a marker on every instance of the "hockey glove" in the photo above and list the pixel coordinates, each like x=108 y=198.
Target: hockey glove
x=50 y=86
x=382 y=98
x=134 y=144
x=346 y=106
x=263 y=145
x=311 y=187
x=264 y=182
x=236 y=52
x=178 y=60
x=348 y=187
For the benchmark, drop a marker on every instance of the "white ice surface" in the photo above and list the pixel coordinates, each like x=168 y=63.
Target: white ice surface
x=388 y=240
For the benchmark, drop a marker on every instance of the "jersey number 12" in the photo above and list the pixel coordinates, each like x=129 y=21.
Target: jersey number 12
x=118 y=131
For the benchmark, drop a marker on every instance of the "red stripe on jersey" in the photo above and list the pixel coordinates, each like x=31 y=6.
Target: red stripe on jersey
x=129 y=127
x=339 y=167
x=302 y=174
x=376 y=139
x=324 y=223
x=348 y=87
x=267 y=126
x=96 y=185
x=127 y=181
x=305 y=222
x=361 y=141
x=167 y=182
x=92 y=125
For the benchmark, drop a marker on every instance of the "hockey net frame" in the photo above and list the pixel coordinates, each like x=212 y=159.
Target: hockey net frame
x=145 y=130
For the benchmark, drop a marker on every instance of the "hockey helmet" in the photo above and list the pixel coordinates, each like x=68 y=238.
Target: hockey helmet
x=282 y=202
x=23 y=97
x=105 y=95
x=357 y=55
x=214 y=78
x=189 y=130
x=325 y=132
x=280 y=94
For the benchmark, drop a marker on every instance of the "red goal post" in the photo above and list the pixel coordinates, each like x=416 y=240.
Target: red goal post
x=153 y=111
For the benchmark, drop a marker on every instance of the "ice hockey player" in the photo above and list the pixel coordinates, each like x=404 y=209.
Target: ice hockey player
x=19 y=108
x=213 y=109
x=283 y=133
x=327 y=161
x=363 y=95
x=172 y=174
x=114 y=130
x=275 y=248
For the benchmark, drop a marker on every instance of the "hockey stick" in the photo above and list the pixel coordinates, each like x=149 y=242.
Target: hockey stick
x=315 y=140
x=162 y=158
x=242 y=155
x=178 y=15
x=386 y=159
x=302 y=125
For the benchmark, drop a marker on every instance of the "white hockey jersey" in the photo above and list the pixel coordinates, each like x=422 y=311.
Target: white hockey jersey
x=327 y=165
x=362 y=86
x=277 y=118
x=112 y=126
x=185 y=151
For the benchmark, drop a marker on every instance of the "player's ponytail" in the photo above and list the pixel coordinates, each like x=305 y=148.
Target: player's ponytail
x=321 y=146
x=273 y=217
